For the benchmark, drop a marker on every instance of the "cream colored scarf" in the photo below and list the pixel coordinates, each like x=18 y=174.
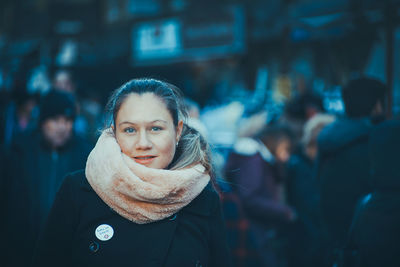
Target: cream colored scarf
x=136 y=192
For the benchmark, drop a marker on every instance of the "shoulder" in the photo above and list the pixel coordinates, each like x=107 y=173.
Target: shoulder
x=205 y=203
x=74 y=191
x=246 y=146
x=343 y=133
x=208 y=196
x=209 y=193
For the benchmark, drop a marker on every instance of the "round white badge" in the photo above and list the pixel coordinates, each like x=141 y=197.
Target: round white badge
x=104 y=232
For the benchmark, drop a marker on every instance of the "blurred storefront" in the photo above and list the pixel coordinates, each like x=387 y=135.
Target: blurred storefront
x=207 y=46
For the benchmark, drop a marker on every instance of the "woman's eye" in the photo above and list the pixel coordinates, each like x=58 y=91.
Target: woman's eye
x=129 y=130
x=156 y=128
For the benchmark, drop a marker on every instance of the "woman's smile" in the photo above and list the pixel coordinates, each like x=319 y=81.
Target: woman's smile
x=144 y=160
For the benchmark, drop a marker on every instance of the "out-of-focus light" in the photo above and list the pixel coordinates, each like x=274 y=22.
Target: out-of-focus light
x=221 y=123
x=39 y=80
x=68 y=53
x=113 y=12
x=143 y=7
x=374 y=15
x=332 y=101
x=300 y=35
x=178 y=5
x=68 y=27
x=319 y=21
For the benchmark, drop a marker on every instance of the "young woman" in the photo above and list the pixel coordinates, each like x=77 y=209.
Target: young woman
x=145 y=198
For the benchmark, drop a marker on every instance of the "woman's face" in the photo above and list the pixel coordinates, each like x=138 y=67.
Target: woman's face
x=282 y=151
x=145 y=131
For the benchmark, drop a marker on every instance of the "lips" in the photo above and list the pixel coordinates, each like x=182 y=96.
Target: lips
x=144 y=160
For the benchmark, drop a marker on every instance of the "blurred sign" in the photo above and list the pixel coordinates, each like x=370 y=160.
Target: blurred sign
x=157 y=40
x=332 y=101
x=174 y=40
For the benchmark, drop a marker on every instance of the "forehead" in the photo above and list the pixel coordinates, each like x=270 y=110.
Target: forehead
x=284 y=141
x=145 y=107
x=59 y=117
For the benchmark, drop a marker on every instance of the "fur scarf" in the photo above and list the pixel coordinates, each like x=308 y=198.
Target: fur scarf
x=136 y=192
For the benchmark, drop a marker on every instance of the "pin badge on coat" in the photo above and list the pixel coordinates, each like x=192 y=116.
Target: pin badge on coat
x=104 y=232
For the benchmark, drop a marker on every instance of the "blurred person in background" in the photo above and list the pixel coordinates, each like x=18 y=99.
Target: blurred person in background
x=84 y=126
x=92 y=112
x=376 y=227
x=25 y=119
x=36 y=164
x=342 y=167
x=64 y=81
x=241 y=236
x=303 y=195
x=298 y=111
x=194 y=117
x=254 y=169
x=18 y=113
x=278 y=138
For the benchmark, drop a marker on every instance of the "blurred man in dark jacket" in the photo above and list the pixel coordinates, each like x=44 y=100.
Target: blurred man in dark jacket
x=343 y=168
x=36 y=166
x=376 y=232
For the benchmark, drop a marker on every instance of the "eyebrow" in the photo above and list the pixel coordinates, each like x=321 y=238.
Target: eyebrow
x=129 y=122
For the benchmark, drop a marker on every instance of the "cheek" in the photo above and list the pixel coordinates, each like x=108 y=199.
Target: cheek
x=124 y=144
x=48 y=128
x=167 y=149
x=69 y=126
x=284 y=155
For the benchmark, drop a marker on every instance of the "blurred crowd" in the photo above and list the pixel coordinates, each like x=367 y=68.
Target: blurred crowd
x=299 y=185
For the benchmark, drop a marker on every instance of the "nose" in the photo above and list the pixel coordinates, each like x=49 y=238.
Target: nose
x=63 y=124
x=143 y=142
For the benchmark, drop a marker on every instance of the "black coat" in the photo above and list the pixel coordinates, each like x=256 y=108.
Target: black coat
x=377 y=226
x=302 y=189
x=343 y=171
x=33 y=174
x=195 y=236
x=302 y=192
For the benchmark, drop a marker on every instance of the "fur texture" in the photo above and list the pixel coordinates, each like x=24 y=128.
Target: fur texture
x=136 y=192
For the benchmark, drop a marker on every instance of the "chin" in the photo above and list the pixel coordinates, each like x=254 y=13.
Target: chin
x=59 y=143
x=158 y=166
x=154 y=166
